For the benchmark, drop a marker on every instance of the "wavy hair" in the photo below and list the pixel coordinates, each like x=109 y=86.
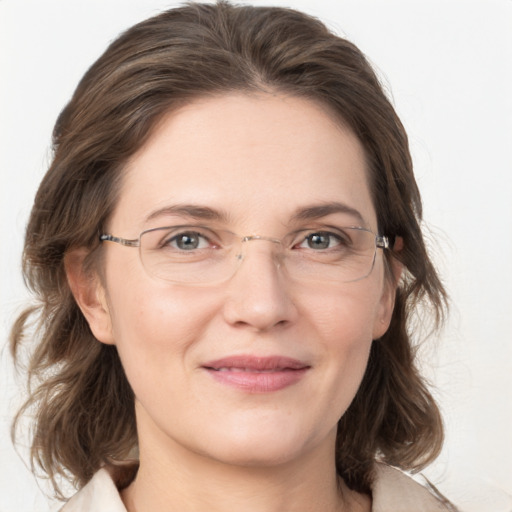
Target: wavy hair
x=82 y=402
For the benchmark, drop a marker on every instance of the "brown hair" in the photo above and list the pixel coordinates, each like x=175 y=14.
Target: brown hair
x=84 y=406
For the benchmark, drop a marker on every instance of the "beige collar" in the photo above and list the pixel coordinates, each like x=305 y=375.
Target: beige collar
x=392 y=490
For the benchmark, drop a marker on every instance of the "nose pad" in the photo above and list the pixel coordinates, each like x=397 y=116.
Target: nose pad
x=277 y=255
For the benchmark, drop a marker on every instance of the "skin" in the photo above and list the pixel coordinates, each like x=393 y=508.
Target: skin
x=257 y=158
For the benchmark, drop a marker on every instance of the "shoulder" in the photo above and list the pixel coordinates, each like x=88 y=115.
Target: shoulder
x=100 y=493
x=394 y=491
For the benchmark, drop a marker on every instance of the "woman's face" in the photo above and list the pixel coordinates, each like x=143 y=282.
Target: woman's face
x=257 y=369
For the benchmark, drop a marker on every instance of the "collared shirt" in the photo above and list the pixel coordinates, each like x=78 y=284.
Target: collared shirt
x=392 y=491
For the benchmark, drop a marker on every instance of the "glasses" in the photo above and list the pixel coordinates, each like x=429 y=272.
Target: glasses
x=195 y=255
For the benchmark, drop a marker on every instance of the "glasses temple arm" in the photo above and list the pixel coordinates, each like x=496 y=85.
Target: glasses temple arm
x=382 y=242
x=118 y=240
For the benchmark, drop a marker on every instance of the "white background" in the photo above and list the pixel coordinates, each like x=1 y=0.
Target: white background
x=448 y=67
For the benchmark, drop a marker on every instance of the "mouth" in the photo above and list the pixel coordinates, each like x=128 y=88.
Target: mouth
x=257 y=374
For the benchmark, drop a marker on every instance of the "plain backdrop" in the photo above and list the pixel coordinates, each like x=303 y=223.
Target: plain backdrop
x=447 y=65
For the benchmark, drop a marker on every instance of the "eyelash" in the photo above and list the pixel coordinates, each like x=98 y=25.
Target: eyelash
x=190 y=233
x=334 y=239
x=332 y=236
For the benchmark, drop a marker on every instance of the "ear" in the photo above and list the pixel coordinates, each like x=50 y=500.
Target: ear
x=387 y=300
x=89 y=294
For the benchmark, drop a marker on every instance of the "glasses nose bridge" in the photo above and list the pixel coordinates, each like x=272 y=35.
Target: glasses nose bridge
x=277 y=243
x=250 y=238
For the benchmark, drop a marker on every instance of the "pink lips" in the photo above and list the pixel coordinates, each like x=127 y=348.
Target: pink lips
x=257 y=374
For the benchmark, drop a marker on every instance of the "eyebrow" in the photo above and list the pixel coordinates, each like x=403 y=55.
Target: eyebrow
x=312 y=212
x=323 y=210
x=189 y=210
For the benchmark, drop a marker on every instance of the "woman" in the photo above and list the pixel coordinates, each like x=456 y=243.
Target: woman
x=226 y=251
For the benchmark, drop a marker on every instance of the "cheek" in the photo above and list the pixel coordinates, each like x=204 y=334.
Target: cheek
x=343 y=324
x=347 y=331
x=347 y=315
x=154 y=327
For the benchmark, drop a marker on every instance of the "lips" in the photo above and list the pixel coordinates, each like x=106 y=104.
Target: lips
x=257 y=374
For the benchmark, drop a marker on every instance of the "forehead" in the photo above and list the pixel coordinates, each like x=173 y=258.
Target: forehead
x=256 y=157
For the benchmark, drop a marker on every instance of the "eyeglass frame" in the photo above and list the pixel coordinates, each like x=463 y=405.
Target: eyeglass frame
x=381 y=242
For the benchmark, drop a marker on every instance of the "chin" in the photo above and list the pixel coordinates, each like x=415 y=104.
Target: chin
x=261 y=444
x=258 y=455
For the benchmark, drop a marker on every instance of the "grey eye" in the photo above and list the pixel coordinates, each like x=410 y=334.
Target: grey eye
x=321 y=240
x=188 y=241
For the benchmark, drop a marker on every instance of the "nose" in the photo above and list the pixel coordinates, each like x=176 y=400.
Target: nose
x=258 y=295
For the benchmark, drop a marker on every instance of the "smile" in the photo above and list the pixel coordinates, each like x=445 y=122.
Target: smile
x=257 y=374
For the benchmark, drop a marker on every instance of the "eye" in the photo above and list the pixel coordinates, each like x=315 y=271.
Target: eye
x=321 y=240
x=188 y=241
